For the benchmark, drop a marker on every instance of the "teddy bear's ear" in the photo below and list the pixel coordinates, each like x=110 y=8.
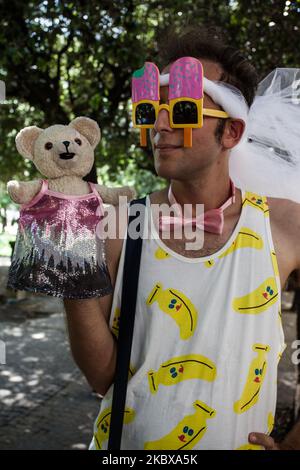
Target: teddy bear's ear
x=88 y=128
x=25 y=141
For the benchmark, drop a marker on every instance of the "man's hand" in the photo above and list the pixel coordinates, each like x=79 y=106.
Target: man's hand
x=266 y=441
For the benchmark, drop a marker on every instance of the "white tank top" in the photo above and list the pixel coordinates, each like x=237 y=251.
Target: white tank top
x=207 y=341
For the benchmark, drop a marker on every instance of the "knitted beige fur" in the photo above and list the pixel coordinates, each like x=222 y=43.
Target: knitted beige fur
x=64 y=154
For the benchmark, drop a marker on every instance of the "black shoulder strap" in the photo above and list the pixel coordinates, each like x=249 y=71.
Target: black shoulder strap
x=133 y=251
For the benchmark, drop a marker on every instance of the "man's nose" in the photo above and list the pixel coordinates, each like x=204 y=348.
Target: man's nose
x=163 y=119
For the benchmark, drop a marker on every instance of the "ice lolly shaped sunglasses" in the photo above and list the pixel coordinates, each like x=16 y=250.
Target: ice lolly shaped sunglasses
x=185 y=98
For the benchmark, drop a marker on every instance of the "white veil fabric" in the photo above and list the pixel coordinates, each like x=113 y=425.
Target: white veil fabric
x=267 y=160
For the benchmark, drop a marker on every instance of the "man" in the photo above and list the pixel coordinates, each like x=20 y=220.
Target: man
x=167 y=400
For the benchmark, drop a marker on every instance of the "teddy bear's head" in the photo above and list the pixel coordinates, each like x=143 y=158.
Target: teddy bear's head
x=61 y=150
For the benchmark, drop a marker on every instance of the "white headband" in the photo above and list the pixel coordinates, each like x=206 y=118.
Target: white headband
x=228 y=97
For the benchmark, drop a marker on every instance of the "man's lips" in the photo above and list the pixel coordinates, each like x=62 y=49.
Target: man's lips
x=167 y=146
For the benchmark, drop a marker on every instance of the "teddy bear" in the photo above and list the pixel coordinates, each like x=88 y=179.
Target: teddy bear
x=57 y=251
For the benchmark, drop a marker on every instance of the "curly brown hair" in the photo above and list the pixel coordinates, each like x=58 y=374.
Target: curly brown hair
x=210 y=43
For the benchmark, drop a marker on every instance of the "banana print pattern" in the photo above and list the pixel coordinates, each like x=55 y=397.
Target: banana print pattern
x=255 y=379
x=182 y=369
x=250 y=447
x=259 y=202
x=188 y=432
x=175 y=304
x=271 y=421
x=210 y=263
x=276 y=271
x=275 y=264
x=177 y=369
x=259 y=300
x=246 y=238
x=116 y=322
x=103 y=424
x=161 y=254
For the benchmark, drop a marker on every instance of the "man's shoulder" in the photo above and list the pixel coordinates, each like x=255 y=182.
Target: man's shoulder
x=285 y=218
x=283 y=210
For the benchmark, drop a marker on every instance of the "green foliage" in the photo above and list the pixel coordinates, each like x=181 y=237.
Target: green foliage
x=65 y=59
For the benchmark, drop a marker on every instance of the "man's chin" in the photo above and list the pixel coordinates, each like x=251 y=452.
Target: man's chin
x=168 y=171
x=168 y=165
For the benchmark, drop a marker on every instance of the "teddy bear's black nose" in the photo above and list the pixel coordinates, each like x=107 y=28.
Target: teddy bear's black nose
x=66 y=155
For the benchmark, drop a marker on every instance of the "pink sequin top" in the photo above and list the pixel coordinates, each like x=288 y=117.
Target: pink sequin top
x=56 y=251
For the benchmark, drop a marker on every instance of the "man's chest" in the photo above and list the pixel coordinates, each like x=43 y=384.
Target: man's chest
x=283 y=224
x=212 y=243
x=207 y=245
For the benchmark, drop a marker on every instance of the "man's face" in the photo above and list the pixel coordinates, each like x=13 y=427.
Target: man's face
x=171 y=159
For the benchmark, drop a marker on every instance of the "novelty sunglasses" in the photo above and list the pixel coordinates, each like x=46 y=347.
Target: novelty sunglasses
x=185 y=98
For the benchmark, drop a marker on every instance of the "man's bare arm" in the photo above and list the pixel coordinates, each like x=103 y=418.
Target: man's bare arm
x=287 y=214
x=93 y=346
x=290 y=442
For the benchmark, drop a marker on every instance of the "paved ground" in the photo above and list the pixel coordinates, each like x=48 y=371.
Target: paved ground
x=45 y=401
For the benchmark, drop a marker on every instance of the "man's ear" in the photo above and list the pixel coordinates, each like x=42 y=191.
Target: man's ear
x=88 y=128
x=233 y=132
x=25 y=141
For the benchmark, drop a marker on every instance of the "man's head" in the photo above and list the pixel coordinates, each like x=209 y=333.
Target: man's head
x=212 y=142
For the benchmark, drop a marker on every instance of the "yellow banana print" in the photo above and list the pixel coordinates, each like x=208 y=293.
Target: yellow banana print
x=161 y=254
x=271 y=420
x=259 y=300
x=275 y=264
x=246 y=238
x=116 y=322
x=188 y=431
x=103 y=424
x=209 y=263
x=175 y=304
x=250 y=447
x=256 y=375
x=177 y=369
x=259 y=202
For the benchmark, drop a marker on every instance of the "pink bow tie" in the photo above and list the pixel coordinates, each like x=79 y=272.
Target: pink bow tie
x=210 y=221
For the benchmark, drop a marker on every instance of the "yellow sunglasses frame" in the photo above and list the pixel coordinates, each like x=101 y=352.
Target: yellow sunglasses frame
x=169 y=107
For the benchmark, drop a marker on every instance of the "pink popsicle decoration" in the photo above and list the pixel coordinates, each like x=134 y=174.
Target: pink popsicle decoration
x=186 y=79
x=145 y=83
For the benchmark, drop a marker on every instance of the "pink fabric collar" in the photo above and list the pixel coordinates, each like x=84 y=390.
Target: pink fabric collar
x=211 y=221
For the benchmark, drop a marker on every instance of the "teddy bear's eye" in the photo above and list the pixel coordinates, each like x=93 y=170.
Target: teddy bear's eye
x=48 y=146
x=78 y=141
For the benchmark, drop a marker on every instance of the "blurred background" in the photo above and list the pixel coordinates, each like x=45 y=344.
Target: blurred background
x=62 y=59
